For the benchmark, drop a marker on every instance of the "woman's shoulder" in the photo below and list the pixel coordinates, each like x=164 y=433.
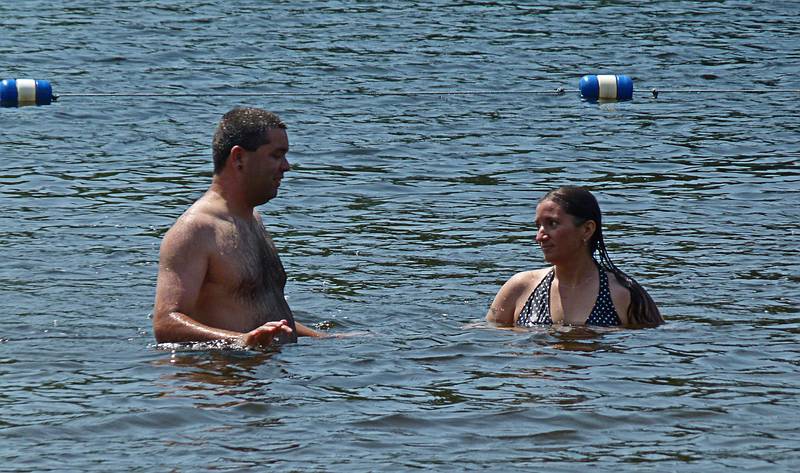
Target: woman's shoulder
x=526 y=279
x=511 y=297
x=620 y=296
x=615 y=285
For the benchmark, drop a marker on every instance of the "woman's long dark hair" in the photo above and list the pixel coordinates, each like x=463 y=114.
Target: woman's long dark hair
x=582 y=206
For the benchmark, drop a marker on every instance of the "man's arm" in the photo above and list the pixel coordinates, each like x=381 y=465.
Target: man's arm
x=180 y=323
x=180 y=276
x=303 y=331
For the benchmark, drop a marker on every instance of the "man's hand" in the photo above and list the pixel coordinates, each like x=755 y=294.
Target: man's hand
x=265 y=334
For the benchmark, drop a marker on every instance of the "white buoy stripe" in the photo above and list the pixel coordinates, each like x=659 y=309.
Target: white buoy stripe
x=26 y=92
x=607 y=86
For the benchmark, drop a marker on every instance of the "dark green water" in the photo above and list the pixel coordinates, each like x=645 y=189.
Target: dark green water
x=401 y=218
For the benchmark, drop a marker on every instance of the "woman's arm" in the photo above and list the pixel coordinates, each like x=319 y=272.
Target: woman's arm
x=503 y=310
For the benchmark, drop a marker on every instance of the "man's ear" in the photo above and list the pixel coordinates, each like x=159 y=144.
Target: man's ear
x=236 y=157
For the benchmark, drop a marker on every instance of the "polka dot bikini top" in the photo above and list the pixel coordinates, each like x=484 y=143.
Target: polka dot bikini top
x=537 y=308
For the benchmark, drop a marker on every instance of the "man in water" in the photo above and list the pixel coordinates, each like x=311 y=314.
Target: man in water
x=219 y=274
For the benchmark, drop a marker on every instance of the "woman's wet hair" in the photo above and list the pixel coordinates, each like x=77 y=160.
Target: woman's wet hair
x=582 y=206
x=245 y=127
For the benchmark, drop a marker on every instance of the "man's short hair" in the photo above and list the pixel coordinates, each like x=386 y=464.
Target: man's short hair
x=245 y=127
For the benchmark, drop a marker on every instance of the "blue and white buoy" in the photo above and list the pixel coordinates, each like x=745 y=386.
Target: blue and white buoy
x=22 y=92
x=606 y=87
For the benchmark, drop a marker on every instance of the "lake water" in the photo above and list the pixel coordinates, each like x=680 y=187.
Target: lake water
x=402 y=216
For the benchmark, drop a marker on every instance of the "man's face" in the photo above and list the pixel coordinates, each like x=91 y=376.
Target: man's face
x=264 y=167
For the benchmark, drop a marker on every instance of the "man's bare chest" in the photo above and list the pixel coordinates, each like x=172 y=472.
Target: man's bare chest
x=246 y=261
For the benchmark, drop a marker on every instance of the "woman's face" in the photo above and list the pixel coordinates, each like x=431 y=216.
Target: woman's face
x=557 y=234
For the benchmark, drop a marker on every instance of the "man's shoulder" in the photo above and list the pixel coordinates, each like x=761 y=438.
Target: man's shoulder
x=199 y=222
x=196 y=220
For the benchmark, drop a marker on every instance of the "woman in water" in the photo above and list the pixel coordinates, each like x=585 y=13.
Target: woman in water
x=578 y=289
